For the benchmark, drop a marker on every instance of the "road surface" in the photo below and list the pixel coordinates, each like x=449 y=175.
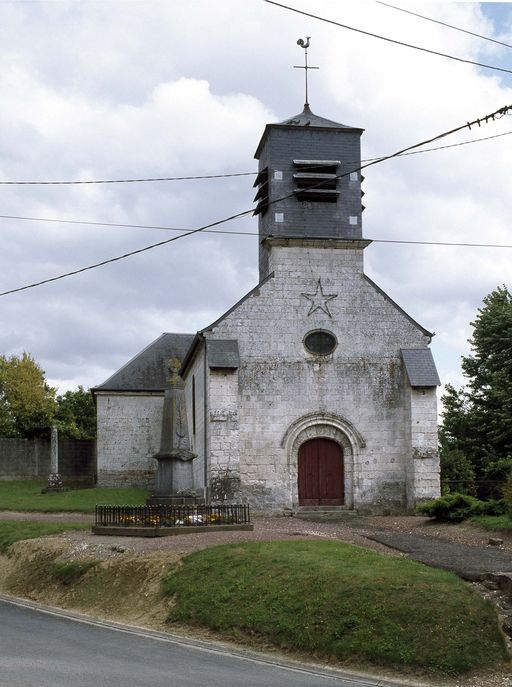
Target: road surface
x=40 y=648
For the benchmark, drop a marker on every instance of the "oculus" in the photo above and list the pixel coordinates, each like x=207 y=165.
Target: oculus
x=320 y=342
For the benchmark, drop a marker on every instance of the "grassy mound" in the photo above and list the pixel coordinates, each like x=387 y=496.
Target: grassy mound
x=339 y=601
x=25 y=495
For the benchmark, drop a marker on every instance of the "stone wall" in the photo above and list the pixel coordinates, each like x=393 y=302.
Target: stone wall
x=224 y=436
x=129 y=433
x=196 y=399
x=424 y=443
x=30 y=459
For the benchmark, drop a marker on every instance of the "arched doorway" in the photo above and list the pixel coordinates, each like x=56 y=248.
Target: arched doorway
x=320 y=473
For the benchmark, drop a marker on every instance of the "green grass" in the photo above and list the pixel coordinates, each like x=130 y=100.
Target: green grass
x=25 y=495
x=338 y=601
x=495 y=523
x=12 y=531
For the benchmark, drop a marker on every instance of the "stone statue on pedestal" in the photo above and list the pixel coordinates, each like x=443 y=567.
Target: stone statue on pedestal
x=175 y=470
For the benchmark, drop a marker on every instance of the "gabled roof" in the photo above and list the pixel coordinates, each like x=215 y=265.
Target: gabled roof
x=147 y=371
x=308 y=118
x=420 y=367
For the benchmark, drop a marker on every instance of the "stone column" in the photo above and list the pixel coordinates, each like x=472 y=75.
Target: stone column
x=54 y=480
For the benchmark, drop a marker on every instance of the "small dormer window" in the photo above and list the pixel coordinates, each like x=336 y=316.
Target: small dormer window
x=316 y=180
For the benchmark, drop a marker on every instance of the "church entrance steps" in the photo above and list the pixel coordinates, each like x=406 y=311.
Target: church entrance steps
x=324 y=513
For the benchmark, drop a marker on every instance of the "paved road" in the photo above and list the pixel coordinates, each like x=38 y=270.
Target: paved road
x=39 y=649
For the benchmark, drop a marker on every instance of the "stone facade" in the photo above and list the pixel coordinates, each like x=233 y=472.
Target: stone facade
x=359 y=395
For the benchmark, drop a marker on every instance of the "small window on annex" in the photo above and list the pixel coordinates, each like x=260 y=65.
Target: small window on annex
x=320 y=342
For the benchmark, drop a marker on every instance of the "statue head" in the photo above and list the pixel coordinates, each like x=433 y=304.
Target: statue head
x=174 y=366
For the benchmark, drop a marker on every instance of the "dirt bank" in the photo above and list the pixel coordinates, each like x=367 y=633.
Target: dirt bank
x=123 y=587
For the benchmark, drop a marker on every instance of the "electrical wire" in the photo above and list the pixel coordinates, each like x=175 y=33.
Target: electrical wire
x=490 y=117
x=115 y=224
x=452 y=145
x=217 y=176
x=124 y=181
x=442 y=23
x=389 y=40
x=256 y=233
x=218 y=231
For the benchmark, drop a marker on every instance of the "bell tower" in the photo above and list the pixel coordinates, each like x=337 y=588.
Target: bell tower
x=306 y=184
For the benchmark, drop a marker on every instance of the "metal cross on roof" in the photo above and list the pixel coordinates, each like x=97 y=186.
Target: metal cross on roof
x=305 y=44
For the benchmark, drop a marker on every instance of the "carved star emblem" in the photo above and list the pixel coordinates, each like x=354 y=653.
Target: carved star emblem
x=319 y=299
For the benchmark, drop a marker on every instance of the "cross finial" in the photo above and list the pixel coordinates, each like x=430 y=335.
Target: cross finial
x=305 y=44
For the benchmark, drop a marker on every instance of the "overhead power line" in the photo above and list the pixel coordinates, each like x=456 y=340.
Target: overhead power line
x=442 y=23
x=497 y=114
x=123 y=181
x=452 y=145
x=256 y=233
x=389 y=40
x=220 y=176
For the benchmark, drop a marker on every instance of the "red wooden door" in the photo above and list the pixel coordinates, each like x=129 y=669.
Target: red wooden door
x=320 y=472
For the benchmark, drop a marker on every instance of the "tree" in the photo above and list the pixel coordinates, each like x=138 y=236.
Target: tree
x=477 y=419
x=76 y=414
x=27 y=402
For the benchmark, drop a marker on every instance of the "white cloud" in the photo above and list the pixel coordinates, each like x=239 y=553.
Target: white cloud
x=114 y=90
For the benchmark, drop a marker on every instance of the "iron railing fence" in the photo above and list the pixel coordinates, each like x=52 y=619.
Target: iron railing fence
x=482 y=489
x=172 y=516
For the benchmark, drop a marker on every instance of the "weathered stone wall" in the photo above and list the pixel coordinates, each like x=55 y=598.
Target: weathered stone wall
x=24 y=458
x=195 y=379
x=30 y=459
x=424 y=443
x=129 y=433
x=360 y=384
x=224 y=444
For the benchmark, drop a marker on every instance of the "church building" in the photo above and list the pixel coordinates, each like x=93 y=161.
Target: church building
x=316 y=388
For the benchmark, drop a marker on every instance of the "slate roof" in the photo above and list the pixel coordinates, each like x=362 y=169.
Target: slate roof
x=308 y=118
x=147 y=371
x=420 y=367
x=223 y=354
x=304 y=118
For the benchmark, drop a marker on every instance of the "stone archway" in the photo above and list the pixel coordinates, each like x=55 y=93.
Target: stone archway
x=327 y=426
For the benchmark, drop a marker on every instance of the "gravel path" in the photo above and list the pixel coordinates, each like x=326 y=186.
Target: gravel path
x=433 y=543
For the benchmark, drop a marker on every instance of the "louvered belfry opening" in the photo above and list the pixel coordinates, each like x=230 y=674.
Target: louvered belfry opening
x=261 y=196
x=316 y=180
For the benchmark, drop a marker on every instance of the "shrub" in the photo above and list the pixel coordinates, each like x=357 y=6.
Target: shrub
x=493 y=507
x=507 y=494
x=452 y=508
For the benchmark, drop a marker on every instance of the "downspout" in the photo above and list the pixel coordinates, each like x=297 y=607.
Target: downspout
x=205 y=419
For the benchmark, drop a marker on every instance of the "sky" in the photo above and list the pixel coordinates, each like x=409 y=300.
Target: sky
x=123 y=89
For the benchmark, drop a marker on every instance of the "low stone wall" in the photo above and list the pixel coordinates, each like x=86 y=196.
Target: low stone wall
x=30 y=459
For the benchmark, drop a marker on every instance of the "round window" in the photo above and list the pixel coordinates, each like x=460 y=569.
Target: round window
x=320 y=342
